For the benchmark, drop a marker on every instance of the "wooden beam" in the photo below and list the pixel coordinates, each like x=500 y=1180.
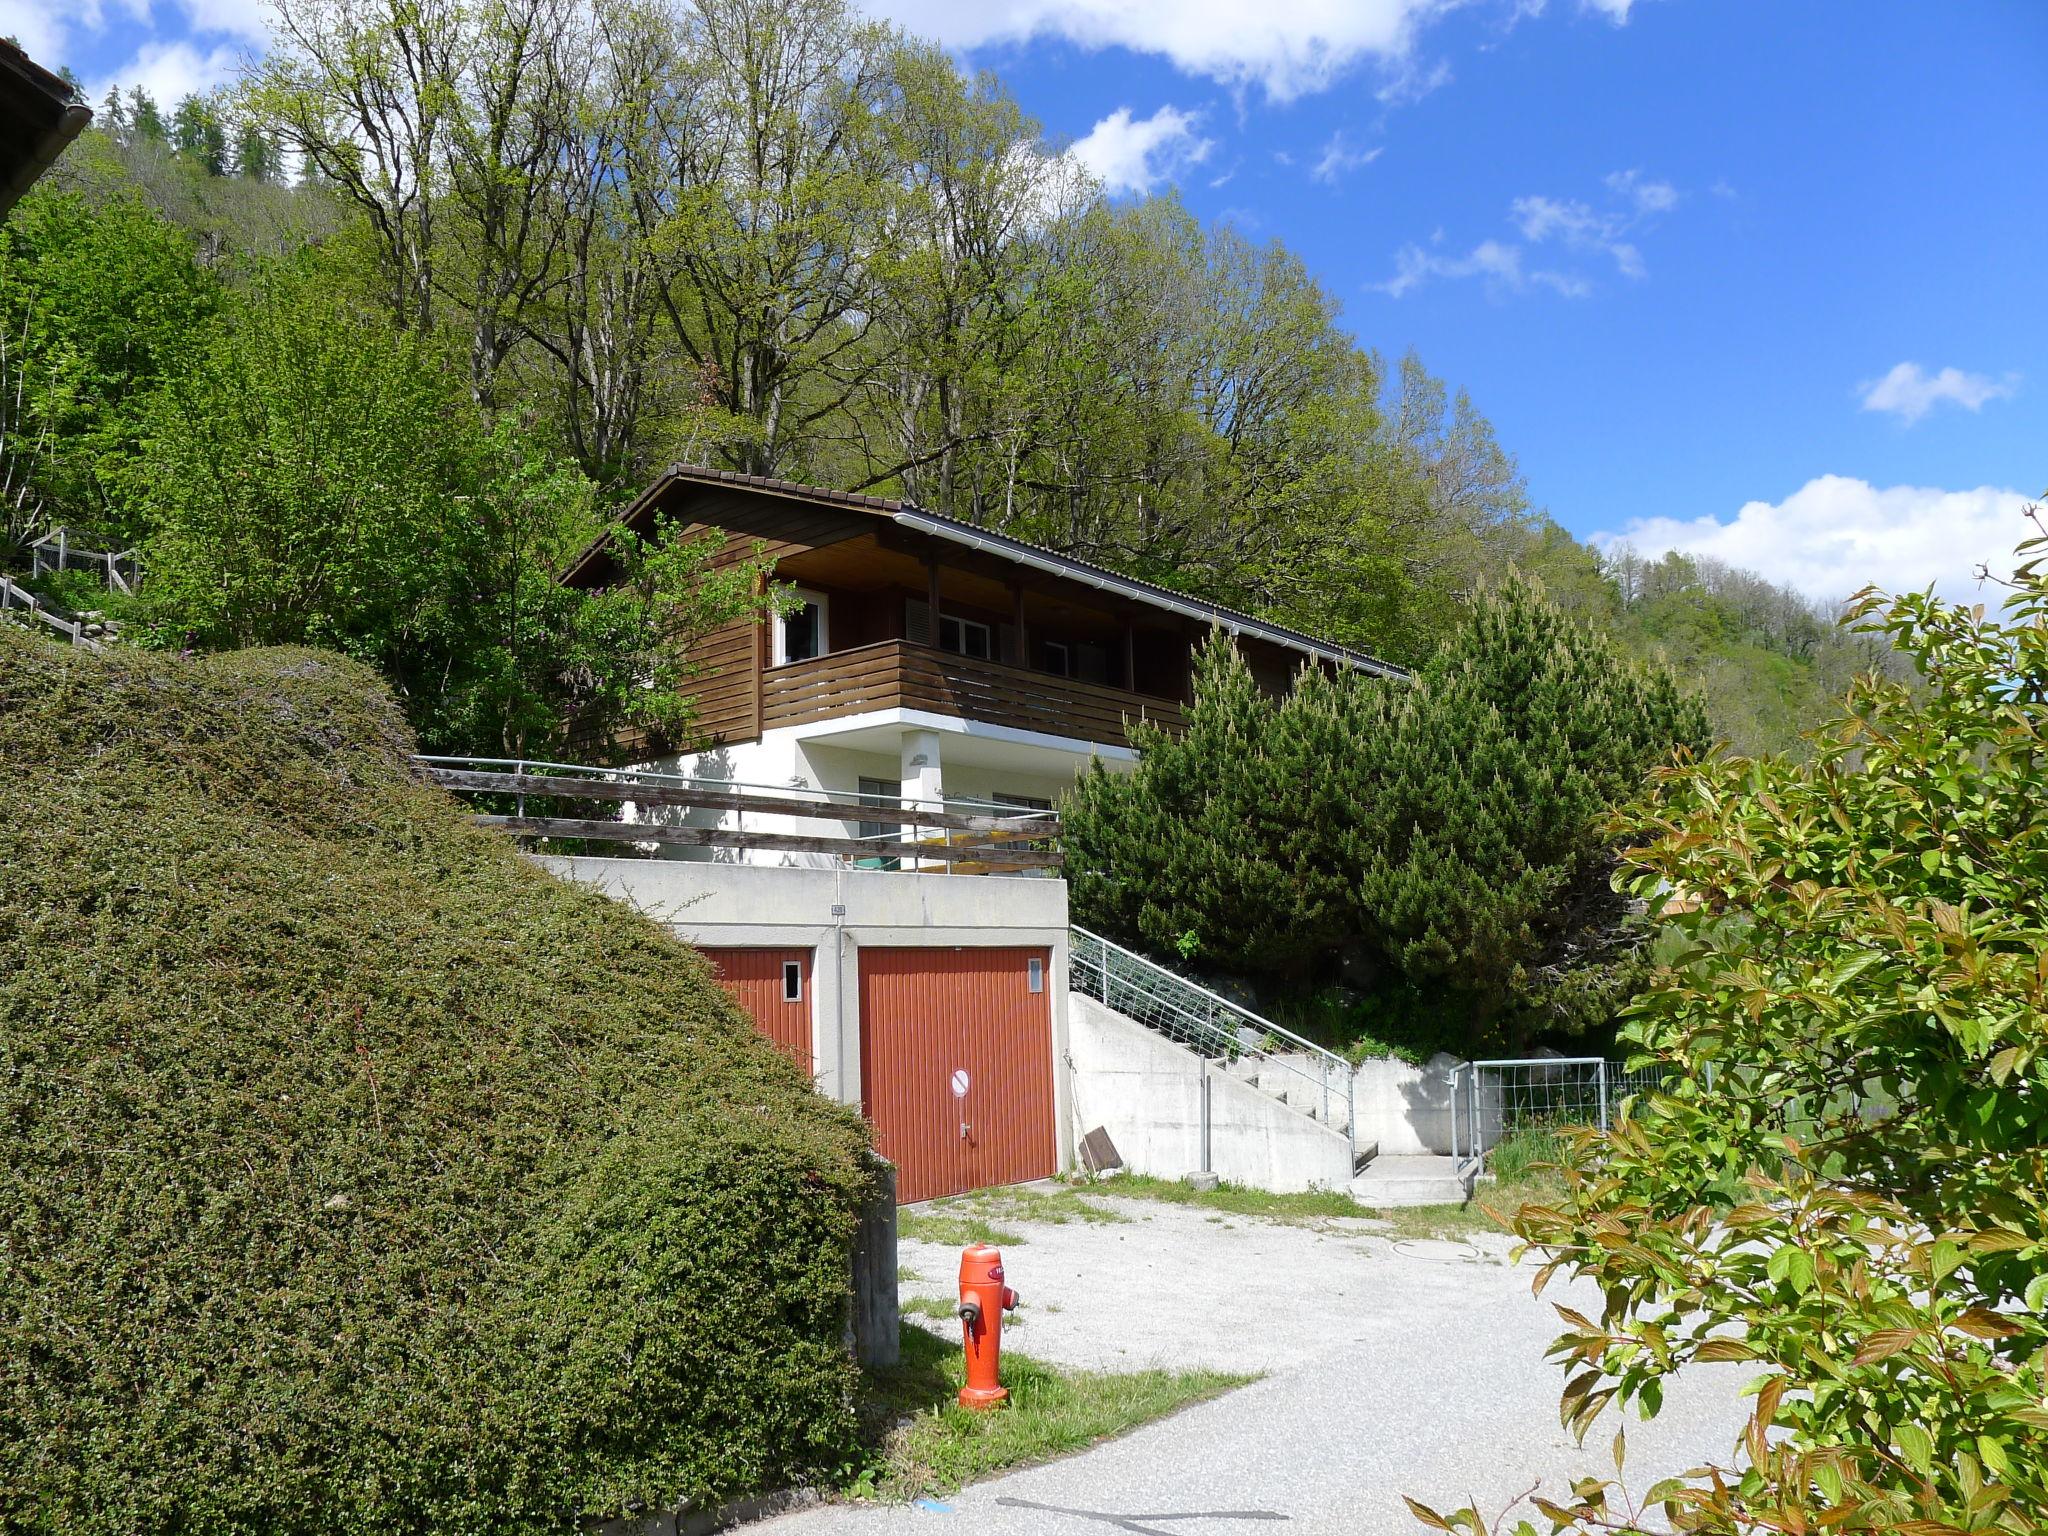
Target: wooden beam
x=772 y=842
x=471 y=780
x=762 y=635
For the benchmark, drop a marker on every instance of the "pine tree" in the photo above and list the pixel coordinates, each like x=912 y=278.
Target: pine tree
x=197 y=132
x=146 y=123
x=1183 y=856
x=1452 y=829
x=1485 y=871
x=255 y=154
x=114 y=113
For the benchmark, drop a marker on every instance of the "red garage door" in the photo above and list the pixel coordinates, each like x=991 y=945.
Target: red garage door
x=774 y=986
x=956 y=1066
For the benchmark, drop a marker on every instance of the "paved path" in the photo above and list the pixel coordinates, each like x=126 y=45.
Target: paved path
x=1392 y=1368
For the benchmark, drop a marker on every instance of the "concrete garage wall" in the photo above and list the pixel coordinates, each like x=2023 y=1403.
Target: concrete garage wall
x=1147 y=1093
x=1407 y=1109
x=833 y=912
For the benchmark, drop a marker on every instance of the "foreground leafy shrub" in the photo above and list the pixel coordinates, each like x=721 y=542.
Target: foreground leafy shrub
x=359 y=1177
x=1861 y=1027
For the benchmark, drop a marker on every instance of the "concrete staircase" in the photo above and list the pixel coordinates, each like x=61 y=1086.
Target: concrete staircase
x=1390 y=1182
x=1302 y=1075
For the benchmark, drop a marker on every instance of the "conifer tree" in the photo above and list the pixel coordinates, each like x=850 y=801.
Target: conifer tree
x=1484 y=870
x=1451 y=828
x=146 y=122
x=1183 y=855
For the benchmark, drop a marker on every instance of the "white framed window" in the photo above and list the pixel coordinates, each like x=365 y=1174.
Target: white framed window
x=1057 y=659
x=1034 y=972
x=792 y=981
x=804 y=631
x=966 y=637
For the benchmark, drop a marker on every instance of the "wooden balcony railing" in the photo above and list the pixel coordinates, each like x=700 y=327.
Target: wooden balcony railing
x=894 y=674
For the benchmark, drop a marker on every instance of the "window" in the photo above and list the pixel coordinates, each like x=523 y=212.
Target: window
x=1034 y=971
x=966 y=637
x=801 y=635
x=1057 y=660
x=793 y=981
x=880 y=793
x=1022 y=802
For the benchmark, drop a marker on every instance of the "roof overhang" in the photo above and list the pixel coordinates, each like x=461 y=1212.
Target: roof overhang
x=909 y=516
x=38 y=118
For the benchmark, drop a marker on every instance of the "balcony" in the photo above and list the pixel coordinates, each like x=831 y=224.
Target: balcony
x=895 y=674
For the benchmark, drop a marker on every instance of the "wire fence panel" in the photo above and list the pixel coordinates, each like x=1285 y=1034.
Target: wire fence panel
x=1493 y=1100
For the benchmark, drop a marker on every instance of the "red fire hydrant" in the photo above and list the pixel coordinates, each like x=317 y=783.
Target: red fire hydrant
x=983 y=1301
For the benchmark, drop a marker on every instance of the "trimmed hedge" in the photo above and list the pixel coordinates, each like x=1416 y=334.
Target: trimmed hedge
x=358 y=1176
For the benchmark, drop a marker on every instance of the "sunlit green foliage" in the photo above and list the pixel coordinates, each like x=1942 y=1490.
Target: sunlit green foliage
x=1857 y=1028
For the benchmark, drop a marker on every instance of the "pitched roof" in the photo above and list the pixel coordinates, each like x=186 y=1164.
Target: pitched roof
x=907 y=514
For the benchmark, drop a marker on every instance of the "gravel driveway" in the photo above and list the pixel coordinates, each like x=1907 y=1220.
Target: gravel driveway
x=1391 y=1367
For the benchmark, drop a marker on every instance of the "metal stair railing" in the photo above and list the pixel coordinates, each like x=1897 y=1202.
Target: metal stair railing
x=1212 y=1026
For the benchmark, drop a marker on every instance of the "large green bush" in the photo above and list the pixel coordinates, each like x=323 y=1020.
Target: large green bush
x=359 y=1177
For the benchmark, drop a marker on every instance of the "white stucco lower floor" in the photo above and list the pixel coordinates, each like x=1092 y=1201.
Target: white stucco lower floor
x=928 y=758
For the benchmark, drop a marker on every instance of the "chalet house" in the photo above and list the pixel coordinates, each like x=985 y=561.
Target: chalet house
x=929 y=661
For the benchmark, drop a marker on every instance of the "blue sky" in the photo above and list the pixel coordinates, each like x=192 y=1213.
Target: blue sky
x=1752 y=279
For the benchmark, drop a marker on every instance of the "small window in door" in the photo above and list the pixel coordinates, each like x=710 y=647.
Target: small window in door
x=793 y=981
x=1034 y=971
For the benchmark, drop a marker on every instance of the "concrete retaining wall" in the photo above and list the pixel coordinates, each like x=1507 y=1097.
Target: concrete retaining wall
x=1147 y=1093
x=1407 y=1109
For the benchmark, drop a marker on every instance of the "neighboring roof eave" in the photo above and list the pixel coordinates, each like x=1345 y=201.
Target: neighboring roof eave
x=935 y=525
x=50 y=119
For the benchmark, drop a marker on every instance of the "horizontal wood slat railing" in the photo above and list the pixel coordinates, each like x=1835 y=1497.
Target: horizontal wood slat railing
x=1023 y=824
x=962 y=841
x=895 y=674
x=773 y=842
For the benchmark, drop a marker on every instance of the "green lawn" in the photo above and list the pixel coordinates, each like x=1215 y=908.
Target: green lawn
x=925 y=1443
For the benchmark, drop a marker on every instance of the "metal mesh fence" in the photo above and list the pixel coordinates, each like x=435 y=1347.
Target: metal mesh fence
x=1495 y=1100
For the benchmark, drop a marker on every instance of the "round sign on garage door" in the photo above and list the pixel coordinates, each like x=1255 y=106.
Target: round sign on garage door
x=960 y=1083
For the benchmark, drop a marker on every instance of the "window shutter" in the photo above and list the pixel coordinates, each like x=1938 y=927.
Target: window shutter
x=1006 y=645
x=917 y=621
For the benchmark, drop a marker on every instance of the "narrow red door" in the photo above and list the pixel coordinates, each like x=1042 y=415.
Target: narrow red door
x=956 y=1066
x=774 y=987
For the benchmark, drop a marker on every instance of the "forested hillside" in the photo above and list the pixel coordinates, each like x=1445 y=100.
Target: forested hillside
x=361 y=350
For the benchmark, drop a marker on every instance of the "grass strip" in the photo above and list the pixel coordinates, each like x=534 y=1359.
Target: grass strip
x=927 y=1444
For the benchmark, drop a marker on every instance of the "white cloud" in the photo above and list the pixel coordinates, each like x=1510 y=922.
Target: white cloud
x=1648 y=196
x=38 y=28
x=247 y=19
x=1496 y=264
x=1579 y=226
x=1836 y=534
x=170 y=71
x=1908 y=392
x=1135 y=155
x=1288 y=50
x=1339 y=158
x=1539 y=220
x=1615 y=11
